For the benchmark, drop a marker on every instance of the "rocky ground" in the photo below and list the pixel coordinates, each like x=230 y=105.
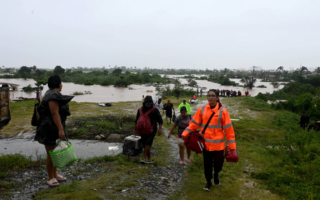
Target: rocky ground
x=160 y=183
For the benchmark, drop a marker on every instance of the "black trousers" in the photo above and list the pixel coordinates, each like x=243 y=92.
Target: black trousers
x=215 y=159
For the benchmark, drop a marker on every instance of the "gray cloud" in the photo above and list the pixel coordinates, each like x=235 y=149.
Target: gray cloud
x=180 y=34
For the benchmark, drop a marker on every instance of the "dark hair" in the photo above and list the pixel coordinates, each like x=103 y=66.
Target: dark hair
x=54 y=82
x=183 y=108
x=215 y=91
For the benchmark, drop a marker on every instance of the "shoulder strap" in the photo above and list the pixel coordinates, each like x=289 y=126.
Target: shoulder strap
x=205 y=128
x=149 y=111
x=140 y=111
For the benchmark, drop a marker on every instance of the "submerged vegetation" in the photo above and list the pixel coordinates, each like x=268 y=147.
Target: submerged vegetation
x=104 y=126
x=163 y=92
x=81 y=93
x=223 y=80
x=116 y=76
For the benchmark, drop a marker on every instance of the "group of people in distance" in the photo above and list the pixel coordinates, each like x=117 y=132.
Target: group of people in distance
x=232 y=93
x=219 y=125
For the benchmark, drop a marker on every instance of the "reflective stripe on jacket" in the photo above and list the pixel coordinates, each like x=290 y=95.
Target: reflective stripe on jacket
x=214 y=135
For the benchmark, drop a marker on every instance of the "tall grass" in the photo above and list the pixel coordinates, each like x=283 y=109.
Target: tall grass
x=14 y=162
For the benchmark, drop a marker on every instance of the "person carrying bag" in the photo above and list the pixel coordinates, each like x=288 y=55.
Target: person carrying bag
x=51 y=124
x=214 y=142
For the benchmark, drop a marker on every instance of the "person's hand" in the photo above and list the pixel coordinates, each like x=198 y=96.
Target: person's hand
x=61 y=134
x=169 y=135
x=159 y=132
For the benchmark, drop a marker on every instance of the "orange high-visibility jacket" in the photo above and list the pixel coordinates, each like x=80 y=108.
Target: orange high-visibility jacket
x=214 y=135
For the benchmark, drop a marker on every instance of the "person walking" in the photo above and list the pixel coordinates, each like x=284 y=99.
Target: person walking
x=53 y=111
x=168 y=107
x=201 y=92
x=228 y=93
x=182 y=121
x=142 y=99
x=234 y=93
x=158 y=105
x=177 y=93
x=214 y=136
x=155 y=118
x=185 y=104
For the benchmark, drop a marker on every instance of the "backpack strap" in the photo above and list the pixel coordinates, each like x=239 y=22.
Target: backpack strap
x=37 y=114
x=147 y=113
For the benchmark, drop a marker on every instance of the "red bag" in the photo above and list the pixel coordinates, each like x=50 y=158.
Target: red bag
x=195 y=142
x=144 y=126
x=231 y=155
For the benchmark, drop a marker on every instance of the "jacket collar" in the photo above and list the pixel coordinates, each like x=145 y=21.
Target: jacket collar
x=216 y=109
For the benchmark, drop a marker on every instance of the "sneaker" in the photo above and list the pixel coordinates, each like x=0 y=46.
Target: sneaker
x=148 y=162
x=216 y=179
x=143 y=161
x=208 y=186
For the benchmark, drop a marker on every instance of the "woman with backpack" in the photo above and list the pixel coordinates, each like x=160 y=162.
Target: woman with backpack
x=146 y=126
x=219 y=124
x=182 y=121
x=53 y=111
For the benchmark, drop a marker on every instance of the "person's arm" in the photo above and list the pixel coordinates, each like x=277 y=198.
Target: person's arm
x=228 y=129
x=158 y=120
x=189 y=109
x=161 y=105
x=54 y=109
x=173 y=108
x=195 y=123
x=172 y=128
x=135 y=122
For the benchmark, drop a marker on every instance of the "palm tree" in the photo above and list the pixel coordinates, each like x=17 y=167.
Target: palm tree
x=249 y=81
x=302 y=69
x=225 y=71
x=280 y=68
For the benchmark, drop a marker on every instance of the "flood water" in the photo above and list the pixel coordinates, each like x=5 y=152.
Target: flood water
x=83 y=148
x=115 y=94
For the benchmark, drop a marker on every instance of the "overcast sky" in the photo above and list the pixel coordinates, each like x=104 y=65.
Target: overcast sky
x=160 y=34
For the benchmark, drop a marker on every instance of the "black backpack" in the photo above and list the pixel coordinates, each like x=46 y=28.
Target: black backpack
x=36 y=121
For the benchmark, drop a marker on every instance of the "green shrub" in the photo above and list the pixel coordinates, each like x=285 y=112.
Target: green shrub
x=13 y=162
x=278 y=106
x=262 y=97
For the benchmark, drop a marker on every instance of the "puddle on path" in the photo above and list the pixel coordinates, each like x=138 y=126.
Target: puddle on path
x=83 y=148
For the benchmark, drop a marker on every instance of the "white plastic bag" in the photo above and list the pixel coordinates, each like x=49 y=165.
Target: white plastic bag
x=60 y=145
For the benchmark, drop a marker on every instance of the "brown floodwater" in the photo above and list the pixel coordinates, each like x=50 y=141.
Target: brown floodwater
x=116 y=94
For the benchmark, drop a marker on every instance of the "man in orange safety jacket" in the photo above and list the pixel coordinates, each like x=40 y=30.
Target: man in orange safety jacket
x=214 y=135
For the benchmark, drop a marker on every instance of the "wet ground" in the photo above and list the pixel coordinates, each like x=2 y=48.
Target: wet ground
x=159 y=184
x=83 y=148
